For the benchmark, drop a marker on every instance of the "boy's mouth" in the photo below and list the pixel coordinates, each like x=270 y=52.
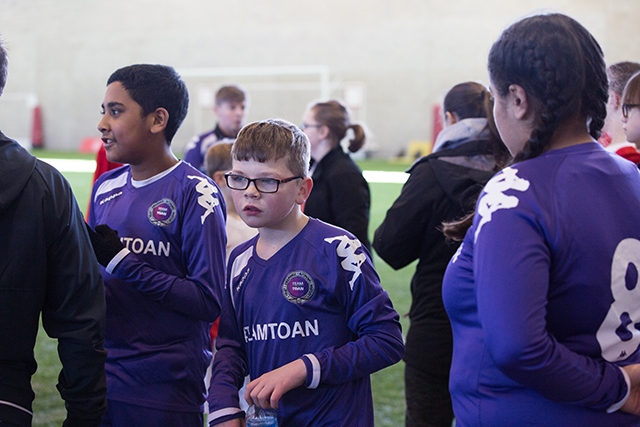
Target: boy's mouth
x=250 y=209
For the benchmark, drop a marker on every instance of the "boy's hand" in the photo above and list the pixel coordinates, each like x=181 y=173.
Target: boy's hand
x=267 y=390
x=632 y=405
x=106 y=243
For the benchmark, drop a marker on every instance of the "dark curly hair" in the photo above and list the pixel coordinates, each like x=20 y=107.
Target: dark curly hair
x=557 y=62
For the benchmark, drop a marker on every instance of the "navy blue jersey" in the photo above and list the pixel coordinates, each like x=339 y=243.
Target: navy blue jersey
x=318 y=298
x=196 y=148
x=543 y=294
x=164 y=294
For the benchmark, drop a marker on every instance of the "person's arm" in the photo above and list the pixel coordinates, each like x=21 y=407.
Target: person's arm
x=399 y=237
x=512 y=264
x=379 y=343
x=229 y=367
x=203 y=247
x=351 y=203
x=74 y=309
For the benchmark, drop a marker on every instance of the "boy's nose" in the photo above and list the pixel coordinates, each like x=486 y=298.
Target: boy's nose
x=102 y=127
x=252 y=190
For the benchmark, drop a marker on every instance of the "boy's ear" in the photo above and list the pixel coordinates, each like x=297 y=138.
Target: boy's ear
x=218 y=177
x=304 y=190
x=159 y=120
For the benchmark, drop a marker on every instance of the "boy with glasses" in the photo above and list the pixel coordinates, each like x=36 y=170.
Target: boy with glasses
x=303 y=310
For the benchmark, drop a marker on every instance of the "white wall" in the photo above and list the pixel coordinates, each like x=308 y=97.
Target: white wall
x=407 y=53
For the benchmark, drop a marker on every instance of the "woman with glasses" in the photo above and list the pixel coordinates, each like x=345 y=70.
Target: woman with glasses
x=340 y=194
x=631 y=110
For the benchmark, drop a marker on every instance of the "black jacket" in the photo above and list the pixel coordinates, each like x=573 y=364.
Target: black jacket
x=442 y=187
x=47 y=266
x=340 y=195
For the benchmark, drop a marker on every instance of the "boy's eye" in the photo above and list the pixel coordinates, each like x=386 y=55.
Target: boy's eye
x=238 y=179
x=269 y=182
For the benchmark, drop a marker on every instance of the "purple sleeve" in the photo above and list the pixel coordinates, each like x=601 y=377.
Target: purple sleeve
x=229 y=367
x=203 y=250
x=512 y=265
x=373 y=320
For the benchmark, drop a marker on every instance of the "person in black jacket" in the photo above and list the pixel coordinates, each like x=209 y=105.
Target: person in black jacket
x=441 y=187
x=340 y=194
x=47 y=267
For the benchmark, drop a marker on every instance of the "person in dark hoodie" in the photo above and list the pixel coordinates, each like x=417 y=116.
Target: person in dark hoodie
x=47 y=266
x=441 y=187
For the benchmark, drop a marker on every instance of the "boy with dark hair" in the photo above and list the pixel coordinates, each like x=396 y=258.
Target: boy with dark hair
x=231 y=107
x=159 y=233
x=48 y=272
x=303 y=307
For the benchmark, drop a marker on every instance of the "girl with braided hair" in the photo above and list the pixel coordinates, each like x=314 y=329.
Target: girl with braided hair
x=543 y=294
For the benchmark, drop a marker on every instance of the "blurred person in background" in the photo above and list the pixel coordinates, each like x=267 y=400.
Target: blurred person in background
x=442 y=186
x=340 y=194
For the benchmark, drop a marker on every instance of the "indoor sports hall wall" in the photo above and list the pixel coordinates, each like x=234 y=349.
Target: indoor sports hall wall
x=392 y=60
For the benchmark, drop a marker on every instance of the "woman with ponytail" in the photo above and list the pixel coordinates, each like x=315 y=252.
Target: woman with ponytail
x=543 y=294
x=340 y=194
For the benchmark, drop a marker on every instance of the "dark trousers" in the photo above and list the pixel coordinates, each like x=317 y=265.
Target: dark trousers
x=428 y=399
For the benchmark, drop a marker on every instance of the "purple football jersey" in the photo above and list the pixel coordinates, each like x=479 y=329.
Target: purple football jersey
x=164 y=294
x=543 y=296
x=318 y=298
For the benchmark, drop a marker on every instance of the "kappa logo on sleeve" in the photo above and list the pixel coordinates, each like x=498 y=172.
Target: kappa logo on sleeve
x=206 y=199
x=494 y=198
x=352 y=261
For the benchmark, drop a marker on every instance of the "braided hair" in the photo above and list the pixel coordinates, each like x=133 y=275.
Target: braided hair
x=561 y=67
x=558 y=63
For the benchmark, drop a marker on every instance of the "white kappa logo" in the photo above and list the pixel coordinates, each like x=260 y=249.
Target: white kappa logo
x=494 y=198
x=206 y=198
x=352 y=261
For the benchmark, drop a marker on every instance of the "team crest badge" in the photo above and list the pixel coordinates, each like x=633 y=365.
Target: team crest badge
x=162 y=212
x=298 y=287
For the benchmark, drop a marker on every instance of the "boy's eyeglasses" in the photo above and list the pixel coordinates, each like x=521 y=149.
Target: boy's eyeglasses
x=263 y=185
x=626 y=108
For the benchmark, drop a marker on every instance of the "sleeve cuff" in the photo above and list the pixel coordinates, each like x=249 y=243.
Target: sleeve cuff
x=116 y=260
x=313 y=370
x=618 y=405
x=225 y=414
